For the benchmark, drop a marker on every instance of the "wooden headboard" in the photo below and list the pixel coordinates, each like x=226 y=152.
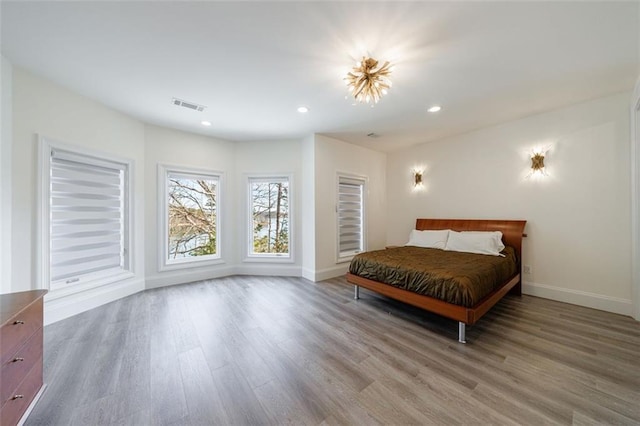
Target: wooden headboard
x=512 y=230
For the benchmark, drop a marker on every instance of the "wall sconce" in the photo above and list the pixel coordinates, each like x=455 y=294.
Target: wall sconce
x=537 y=163
x=417 y=178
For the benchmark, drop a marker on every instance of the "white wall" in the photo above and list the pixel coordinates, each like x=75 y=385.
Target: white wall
x=332 y=157
x=265 y=158
x=41 y=107
x=177 y=148
x=235 y=161
x=6 y=135
x=578 y=216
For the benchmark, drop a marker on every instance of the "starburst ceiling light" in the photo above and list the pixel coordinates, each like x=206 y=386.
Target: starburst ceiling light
x=367 y=82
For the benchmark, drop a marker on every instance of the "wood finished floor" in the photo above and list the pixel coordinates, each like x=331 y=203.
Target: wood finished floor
x=264 y=350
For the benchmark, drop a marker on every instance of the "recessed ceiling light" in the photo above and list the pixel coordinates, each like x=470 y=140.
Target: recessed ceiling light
x=435 y=108
x=205 y=123
x=303 y=109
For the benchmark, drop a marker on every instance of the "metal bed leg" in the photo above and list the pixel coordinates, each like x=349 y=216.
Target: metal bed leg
x=462 y=328
x=356 y=292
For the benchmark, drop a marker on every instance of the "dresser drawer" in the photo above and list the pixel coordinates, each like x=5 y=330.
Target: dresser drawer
x=13 y=408
x=16 y=368
x=19 y=329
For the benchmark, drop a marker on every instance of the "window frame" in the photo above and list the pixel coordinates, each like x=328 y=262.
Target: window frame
x=164 y=263
x=267 y=257
x=340 y=258
x=92 y=280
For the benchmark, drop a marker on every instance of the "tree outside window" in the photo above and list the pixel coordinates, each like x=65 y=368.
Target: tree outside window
x=269 y=216
x=192 y=215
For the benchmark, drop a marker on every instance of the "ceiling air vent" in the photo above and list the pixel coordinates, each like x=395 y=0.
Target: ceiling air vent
x=190 y=105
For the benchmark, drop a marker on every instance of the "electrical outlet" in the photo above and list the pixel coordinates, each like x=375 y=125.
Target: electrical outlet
x=527 y=269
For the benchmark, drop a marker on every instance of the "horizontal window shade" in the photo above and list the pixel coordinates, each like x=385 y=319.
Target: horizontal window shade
x=352 y=182
x=274 y=180
x=350 y=216
x=104 y=243
x=213 y=179
x=75 y=274
x=87 y=209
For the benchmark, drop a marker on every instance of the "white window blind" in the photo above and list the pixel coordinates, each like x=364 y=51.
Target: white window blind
x=350 y=216
x=88 y=217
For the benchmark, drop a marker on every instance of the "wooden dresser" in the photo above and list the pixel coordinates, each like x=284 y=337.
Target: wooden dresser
x=20 y=353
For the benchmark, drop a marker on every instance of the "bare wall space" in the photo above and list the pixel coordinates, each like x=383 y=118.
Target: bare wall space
x=578 y=244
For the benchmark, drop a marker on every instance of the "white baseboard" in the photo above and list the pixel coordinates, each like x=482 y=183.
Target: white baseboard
x=73 y=304
x=308 y=274
x=268 y=270
x=325 y=274
x=184 y=276
x=581 y=298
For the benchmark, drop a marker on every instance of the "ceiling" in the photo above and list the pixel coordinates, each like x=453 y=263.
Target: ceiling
x=253 y=63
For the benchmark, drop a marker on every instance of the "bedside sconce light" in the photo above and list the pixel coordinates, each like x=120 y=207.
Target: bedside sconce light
x=537 y=163
x=417 y=178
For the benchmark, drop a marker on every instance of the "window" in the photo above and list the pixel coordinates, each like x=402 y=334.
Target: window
x=350 y=216
x=269 y=223
x=191 y=217
x=85 y=220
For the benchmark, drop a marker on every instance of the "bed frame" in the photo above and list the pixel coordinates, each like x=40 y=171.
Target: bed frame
x=512 y=234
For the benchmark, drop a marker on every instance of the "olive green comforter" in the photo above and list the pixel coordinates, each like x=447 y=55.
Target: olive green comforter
x=459 y=278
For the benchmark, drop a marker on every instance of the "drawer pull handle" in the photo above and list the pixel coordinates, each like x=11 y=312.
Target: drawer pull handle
x=17 y=396
x=17 y=359
x=18 y=322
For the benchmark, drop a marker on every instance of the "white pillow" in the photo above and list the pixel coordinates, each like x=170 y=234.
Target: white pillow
x=428 y=239
x=476 y=242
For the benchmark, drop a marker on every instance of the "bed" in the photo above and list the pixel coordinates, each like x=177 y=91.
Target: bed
x=480 y=280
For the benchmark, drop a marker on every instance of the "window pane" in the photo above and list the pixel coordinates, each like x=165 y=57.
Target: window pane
x=192 y=215
x=269 y=216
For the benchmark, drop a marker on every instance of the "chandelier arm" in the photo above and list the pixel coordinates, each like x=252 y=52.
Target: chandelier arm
x=378 y=95
x=358 y=91
x=358 y=88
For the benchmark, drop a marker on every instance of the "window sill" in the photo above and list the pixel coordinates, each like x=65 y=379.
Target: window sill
x=196 y=263
x=67 y=290
x=268 y=259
